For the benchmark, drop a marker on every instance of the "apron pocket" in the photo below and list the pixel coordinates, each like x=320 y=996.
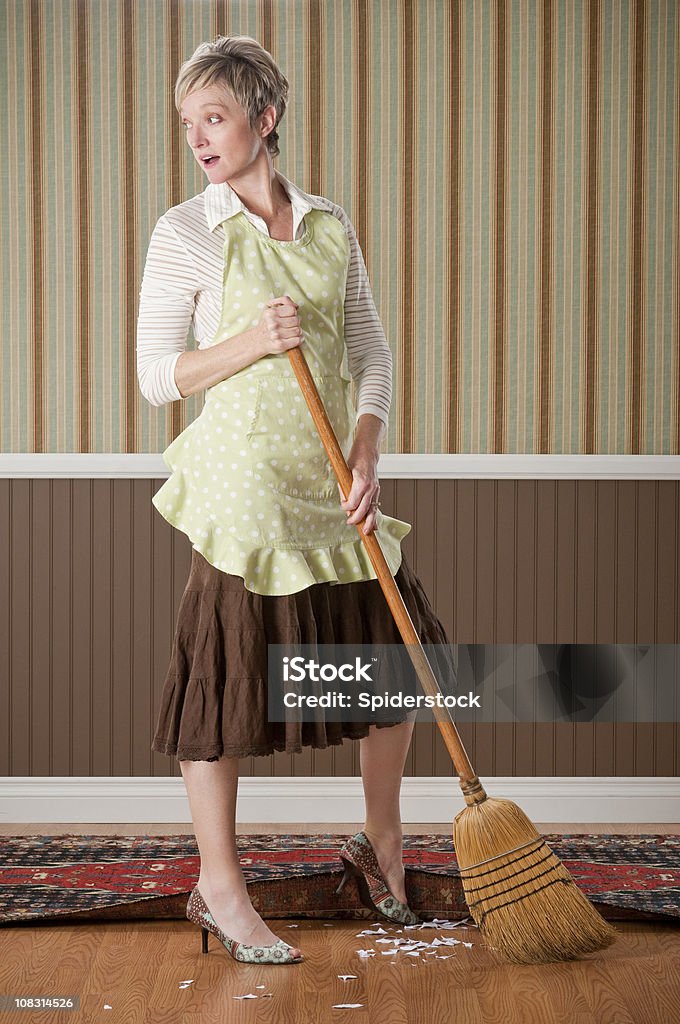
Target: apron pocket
x=287 y=451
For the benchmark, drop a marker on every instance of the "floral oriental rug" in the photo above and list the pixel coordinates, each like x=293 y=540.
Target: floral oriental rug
x=90 y=877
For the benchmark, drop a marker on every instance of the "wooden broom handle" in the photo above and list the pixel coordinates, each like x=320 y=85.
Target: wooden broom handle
x=395 y=601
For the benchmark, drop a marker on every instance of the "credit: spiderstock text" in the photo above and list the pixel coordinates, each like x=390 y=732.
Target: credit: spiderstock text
x=355 y=685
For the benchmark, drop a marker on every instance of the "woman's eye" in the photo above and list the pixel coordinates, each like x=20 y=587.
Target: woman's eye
x=185 y=125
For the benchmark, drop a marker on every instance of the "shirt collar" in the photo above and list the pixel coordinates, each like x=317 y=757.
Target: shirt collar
x=221 y=202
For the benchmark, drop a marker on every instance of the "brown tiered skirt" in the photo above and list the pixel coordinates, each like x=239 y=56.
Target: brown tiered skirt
x=214 y=699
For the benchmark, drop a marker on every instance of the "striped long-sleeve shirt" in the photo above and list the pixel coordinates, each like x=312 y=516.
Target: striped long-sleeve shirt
x=182 y=284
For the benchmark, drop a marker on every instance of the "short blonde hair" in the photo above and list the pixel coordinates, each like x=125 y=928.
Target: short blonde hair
x=242 y=66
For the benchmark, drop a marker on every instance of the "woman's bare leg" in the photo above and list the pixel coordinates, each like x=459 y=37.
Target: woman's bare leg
x=212 y=789
x=382 y=756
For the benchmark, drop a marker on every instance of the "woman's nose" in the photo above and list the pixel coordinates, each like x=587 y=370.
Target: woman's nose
x=195 y=137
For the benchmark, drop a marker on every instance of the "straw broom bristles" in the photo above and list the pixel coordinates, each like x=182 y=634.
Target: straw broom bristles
x=521 y=896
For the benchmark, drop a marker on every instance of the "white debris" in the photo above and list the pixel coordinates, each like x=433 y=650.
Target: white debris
x=259 y=986
x=346 y=976
x=251 y=995
x=442 y=923
x=185 y=984
x=414 y=947
x=107 y=1007
x=347 y=1006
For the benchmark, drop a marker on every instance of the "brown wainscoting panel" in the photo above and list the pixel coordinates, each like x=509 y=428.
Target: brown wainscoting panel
x=91 y=577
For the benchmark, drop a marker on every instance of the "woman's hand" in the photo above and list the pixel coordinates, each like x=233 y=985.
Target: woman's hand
x=365 y=491
x=279 y=327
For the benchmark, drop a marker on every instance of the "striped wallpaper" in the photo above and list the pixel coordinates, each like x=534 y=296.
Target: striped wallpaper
x=512 y=170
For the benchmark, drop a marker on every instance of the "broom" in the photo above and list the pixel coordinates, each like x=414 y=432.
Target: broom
x=519 y=893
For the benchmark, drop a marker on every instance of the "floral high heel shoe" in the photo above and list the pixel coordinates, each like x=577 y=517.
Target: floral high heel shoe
x=359 y=859
x=278 y=953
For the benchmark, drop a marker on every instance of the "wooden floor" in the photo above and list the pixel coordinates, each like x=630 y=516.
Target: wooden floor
x=138 y=969
x=154 y=971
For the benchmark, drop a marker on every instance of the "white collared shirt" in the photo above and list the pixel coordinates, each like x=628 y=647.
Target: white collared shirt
x=182 y=285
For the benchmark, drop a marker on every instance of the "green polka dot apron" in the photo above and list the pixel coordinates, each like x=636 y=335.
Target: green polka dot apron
x=251 y=483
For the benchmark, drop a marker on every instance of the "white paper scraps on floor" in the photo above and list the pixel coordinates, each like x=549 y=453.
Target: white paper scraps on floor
x=442 y=923
x=107 y=1007
x=344 y=977
x=293 y=926
x=347 y=1006
x=259 y=986
x=412 y=947
x=185 y=984
x=251 y=995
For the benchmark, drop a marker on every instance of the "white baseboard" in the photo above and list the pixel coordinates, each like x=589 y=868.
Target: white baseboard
x=282 y=800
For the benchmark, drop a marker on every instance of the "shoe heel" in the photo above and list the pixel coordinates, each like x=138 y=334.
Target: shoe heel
x=342 y=883
x=204 y=939
x=350 y=871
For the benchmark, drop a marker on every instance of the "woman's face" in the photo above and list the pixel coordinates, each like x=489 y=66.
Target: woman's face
x=217 y=126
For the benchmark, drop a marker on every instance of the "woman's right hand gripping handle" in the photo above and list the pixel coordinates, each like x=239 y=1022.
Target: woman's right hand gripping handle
x=279 y=325
x=277 y=331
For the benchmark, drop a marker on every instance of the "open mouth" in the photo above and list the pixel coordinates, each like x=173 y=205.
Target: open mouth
x=209 y=160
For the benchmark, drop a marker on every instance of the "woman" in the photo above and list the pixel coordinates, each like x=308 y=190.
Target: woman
x=260 y=267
